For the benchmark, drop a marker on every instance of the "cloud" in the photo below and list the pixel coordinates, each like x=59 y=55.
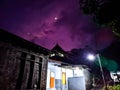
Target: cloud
x=47 y=22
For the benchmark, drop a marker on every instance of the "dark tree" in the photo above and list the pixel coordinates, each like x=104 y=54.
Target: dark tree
x=105 y=12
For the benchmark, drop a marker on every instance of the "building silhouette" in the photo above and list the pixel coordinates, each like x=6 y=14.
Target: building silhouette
x=22 y=63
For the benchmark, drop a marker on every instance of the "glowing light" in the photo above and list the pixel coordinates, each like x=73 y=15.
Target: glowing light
x=60 y=54
x=52 y=55
x=77 y=68
x=55 y=18
x=91 y=57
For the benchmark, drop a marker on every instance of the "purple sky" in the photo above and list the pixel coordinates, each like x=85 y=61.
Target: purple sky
x=47 y=22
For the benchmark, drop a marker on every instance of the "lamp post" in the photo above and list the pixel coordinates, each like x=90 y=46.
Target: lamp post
x=101 y=69
x=92 y=57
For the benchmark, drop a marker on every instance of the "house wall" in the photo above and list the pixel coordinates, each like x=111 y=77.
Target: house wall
x=21 y=69
x=61 y=83
x=55 y=72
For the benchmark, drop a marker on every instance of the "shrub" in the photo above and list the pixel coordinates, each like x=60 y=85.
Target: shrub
x=115 y=87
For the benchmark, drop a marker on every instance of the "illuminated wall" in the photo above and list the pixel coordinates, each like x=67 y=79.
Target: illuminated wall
x=58 y=77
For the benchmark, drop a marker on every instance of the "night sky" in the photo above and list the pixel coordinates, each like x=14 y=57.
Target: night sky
x=48 y=22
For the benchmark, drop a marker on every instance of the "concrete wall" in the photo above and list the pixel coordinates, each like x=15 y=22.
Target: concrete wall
x=76 y=83
x=57 y=75
x=71 y=74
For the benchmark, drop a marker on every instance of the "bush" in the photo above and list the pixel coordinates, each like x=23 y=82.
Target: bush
x=115 y=87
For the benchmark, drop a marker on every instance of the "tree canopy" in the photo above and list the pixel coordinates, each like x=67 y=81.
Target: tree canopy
x=109 y=64
x=105 y=12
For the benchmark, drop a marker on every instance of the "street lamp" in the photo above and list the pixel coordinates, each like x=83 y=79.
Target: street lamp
x=92 y=57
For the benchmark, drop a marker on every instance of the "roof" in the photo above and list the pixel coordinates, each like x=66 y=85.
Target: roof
x=13 y=40
x=16 y=41
x=57 y=48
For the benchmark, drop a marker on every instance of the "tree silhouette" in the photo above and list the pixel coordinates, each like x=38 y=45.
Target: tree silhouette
x=105 y=12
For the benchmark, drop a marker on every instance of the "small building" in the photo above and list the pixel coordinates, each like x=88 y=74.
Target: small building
x=63 y=75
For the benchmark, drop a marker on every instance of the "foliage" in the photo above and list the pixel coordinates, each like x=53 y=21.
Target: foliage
x=105 y=12
x=109 y=64
x=115 y=87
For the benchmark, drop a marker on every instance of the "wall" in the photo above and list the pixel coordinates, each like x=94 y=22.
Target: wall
x=59 y=83
x=21 y=69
